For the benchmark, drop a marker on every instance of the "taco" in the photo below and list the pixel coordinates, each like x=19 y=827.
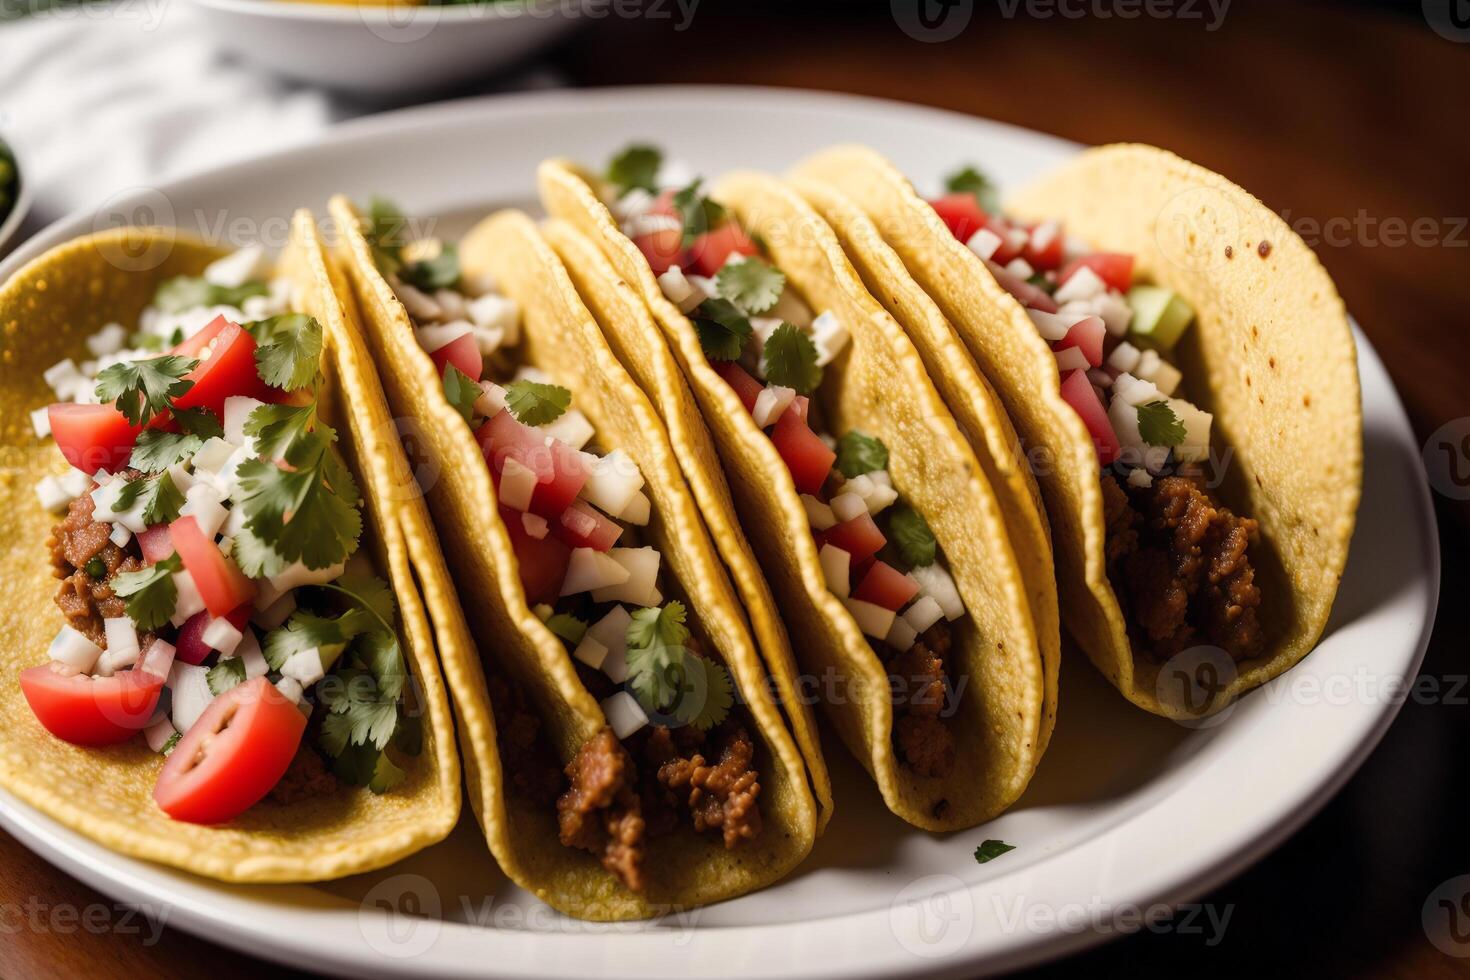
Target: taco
x=1182 y=369
x=626 y=755
x=880 y=532
x=233 y=689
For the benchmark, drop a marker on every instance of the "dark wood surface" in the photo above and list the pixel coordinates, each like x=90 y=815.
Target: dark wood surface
x=1325 y=112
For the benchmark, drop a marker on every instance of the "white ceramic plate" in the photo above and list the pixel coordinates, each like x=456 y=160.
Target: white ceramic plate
x=1127 y=810
x=382 y=51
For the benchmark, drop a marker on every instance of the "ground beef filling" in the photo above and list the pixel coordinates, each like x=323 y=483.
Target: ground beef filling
x=1180 y=564
x=84 y=599
x=921 y=692
x=601 y=812
x=526 y=758
x=306 y=778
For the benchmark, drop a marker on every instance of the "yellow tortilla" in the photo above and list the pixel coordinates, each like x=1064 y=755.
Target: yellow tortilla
x=879 y=387
x=47 y=309
x=1270 y=354
x=560 y=337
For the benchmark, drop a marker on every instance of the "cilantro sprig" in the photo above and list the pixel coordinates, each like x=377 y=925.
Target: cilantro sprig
x=441 y=271
x=186 y=292
x=288 y=350
x=1158 y=425
x=790 y=359
x=150 y=594
x=700 y=214
x=969 y=180
x=751 y=284
x=145 y=388
x=859 y=453
x=635 y=167
x=723 y=330
x=667 y=678
x=159 y=495
x=536 y=403
x=911 y=535
x=157 y=449
x=462 y=391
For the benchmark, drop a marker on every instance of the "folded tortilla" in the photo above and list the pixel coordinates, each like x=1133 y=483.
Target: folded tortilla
x=49 y=307
x=881 y=388
x=563 y=339
x=1271 y=355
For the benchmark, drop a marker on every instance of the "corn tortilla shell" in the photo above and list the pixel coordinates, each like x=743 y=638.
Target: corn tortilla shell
x=1271 y=355
x=47 y=309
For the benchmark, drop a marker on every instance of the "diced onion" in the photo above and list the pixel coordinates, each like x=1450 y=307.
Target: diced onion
x=588 y=569
x=638 y=512
x=439 y=336
x=221 y=635
x=924 y=613
x=984 y=243
x=872 y=619
x=52 y=494
x=1070 y=359
x=237 y=410
x=535 y=525
x=41 y=422
x=157 y=736
x=191 y=694
x=836 y=565
x=613 y=482
x=72 y=648
x=829 y=336
x=817 y=513
x=517 y=483
x=590 y=652
x=305 y=666
x=571 y=427
x=624 y=714
x=491 y=400
x=639 y=587
x=901 y=635
x=249 y=653
x=1124 y=357
x=189 y=601
x=934 y=581
x=771 y=404
x=1083 y=284
x=158 y=660
x=846 y=506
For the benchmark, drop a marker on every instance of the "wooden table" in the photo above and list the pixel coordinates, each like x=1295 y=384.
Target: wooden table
x=1336 y=116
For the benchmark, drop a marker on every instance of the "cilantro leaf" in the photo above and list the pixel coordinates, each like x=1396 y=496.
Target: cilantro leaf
x=409 y=738
x=439 y=272
x=723 y=330
x=699 y=213
x=858 y=453
x=369 y=592
x=187 y=292
x=289 y=350
x=790 y=360
x=911 y=535
x=159 y=495
x=363 y=765
x=385 y=232
x=170 y=744
x=992 y=849
x=706 y=696
x=968 y=180
x=142 y=389
x=150 y=593
x=224 y=675
x=386 y=776
x=535 y=403
x=654 y=675
x=308 y=512
x=753 y=285
x=637 y=166
x=157 y=449
x=305 y=630
x=462 y=391
x=255 y=557
x=658 y=626
x=335 y=734
x=276 y=428
x=1158 y=425
x=568 y=627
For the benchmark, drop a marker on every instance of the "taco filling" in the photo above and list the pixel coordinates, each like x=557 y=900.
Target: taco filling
x=1178 y=559
x=206 y=558
x=676 y=749
x=877 y=553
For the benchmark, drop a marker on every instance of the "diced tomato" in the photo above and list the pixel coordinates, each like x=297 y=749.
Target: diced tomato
x=221 y=584
x=859 y=537
x=190 y=642
x=464 y=353
x=92 y=437
x=886 y=586
x=581 y=526
x=91 y=710
x=1047 y=256
x=1113 y=268
x=805 y=455
x=560 y=470
x=1087 y=336
x=801 y=405
x=542 y=562
x=1079 y=393
x=961 y=213
x=226 y=367
x=233 y=756
x=1007 y=249
x=713 y=249
x=747 y=388
x=1031 y=296
x=663 y=248
x=156 y=543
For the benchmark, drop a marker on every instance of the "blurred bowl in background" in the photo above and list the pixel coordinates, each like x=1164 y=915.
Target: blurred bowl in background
x=15 y=193
x=386 y=49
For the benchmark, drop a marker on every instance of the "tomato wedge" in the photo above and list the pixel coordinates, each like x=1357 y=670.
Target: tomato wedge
x=886 y=586
x=1078 y=392
x=1113 y=268
x=190 y=643
x=1087 y=336
x=961 y=213
x=91 y=710
x=226 y=367
x=221 y=584
x=464 y=353
x=713 y=249
x=92 y=437
x=560 y=470
x=859 y=537
x=746 y=388
x=235 y=754
x=805 y=454
x=581 y=526
x=542 y=562
x=663 y=249
x=156 y=543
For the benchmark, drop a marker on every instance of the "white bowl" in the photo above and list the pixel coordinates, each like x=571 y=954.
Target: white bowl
x=11 y=222
x=381 y=51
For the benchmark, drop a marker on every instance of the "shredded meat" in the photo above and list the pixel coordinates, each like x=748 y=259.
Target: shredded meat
x=1180 y=563
x=925 y=743
x=722 y=795
x=307 y=777
x=600 y=812
x=525 y=757
x=84 y=599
